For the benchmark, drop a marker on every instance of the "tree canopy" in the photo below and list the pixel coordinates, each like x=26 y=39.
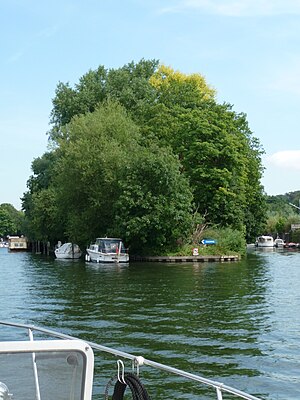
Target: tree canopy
x=135 y=152
x=11 y=220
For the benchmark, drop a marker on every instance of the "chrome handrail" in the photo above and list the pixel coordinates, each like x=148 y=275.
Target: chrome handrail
x=138 y=361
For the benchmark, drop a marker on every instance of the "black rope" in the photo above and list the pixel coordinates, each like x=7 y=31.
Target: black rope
x=108 y=385
x=134 y=383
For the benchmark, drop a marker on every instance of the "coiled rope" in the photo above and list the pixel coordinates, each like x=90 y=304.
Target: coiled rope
x=134 y=383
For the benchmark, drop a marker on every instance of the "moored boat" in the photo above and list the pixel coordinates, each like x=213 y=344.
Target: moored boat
x=107 y=250
x=43 y=364
x=17 y=243
x=265 y=241
x=279 y=243
x=292 y=245
x=68 y=251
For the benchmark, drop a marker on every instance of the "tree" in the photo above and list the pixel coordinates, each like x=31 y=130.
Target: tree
x=213 y=147
x=218 y=155
x=109 y=183
x=175 y=88
x=39 y=203
x=128 y=85
x=68 y=102
x=7 y=227
x=46 y=223
x=154 y=209
x=280 y=214
x=11 y=220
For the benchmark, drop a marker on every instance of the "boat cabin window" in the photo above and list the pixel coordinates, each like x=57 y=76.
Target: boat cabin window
x=46 y=375
x=110 y=246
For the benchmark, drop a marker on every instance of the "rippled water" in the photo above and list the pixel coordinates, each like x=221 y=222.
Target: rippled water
x=238 y=323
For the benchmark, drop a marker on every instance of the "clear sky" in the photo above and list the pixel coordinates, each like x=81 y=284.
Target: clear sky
x=248 y=50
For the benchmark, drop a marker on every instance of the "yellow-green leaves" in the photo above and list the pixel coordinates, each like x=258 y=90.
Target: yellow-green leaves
x=166 y=79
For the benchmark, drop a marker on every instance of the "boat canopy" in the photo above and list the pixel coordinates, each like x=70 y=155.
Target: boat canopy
x=110 y=245
x=68 y=248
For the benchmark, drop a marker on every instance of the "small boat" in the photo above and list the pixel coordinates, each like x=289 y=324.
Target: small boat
x=292 y=245
x=68 y=251
x=17 y=243
x=107 y=250
x=39 y=363
x=279 y=243
x=265 y=241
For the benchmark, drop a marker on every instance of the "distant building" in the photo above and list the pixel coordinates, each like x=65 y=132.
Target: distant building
x=16 y=243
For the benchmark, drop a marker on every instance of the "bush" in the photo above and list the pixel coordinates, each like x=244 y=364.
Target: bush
x=228 y=242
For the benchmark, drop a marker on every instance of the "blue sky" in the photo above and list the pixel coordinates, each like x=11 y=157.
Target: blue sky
x=248 y=50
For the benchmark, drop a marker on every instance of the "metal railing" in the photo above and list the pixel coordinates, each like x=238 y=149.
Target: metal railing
x=138 y=361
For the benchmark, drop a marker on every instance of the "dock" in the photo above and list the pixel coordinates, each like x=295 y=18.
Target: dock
x=193 y=259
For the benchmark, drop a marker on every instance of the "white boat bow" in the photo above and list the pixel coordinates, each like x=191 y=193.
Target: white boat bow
x=63 y=368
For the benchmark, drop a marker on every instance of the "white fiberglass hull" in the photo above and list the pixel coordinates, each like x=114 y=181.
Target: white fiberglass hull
x=265 y=241
x=68 y=251
x=99 y=257
x=67 y=256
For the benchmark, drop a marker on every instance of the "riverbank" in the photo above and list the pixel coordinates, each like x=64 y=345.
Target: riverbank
x=195 y=259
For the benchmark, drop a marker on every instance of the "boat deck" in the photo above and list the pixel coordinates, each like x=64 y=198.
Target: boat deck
x=35 y=348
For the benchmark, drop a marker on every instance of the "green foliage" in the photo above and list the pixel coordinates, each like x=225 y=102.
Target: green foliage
x=46 y=221
x=85 y=97
x=154 y=208
x=11 y=220
x=109 y=184
x=220 y=158
x=41 y=219
x=228 y=242
x=7 y=227
x=280 y=225
x=94 y=150
x=128 y=85
x=295 y=236
x=281 y=215
x=175 y=87
x=133 y=149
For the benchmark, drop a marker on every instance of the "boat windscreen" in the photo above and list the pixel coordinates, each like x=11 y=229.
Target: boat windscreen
x=110 y=245
x=58 y=375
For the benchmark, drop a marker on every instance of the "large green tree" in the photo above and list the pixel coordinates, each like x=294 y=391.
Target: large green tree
x=216 y=148
x=42 y=218
x=108 y=183
x=11 y=220
x=129 y=85
x=171 y=116
x=7 y=226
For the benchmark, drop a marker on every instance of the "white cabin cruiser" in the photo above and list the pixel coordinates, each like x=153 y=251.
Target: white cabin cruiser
x=42 y=364
x=265 y=241
x=279 y=243
x=107 y=250
x=68 y=251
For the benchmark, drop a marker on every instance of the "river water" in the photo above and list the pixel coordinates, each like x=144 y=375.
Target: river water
x=238 y=323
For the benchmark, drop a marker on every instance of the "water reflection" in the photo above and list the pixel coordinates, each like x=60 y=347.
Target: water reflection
x=233 y=322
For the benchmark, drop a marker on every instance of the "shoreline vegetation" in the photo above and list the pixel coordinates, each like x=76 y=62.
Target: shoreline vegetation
x=147 y=154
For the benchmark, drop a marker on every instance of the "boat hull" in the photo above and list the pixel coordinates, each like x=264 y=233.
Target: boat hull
x=107 y=250
x=68 y=256
x=96 y=256
x=265 y=241
x=279 y=243
x=68 y=251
